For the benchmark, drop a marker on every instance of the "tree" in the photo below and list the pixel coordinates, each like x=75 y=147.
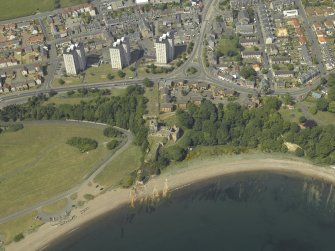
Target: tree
x=110 y=76
x=248 y=72
x=290 y=67
x=148 y=83
x=52 y=93
x=265 y=71
x=132 y=68
x=323 y=81
x=184 y=119
x=331 y=107
x=322 y=104
x=121 y=74
x=61 y=81
x=302 y=119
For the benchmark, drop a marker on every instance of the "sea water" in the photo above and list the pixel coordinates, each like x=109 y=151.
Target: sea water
x=258 y=211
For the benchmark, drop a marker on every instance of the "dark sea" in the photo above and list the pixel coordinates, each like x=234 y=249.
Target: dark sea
x=258 y=211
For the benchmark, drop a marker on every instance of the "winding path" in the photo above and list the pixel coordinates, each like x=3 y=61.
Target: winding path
x=89 y=177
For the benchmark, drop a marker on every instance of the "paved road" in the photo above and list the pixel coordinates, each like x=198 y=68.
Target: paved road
x=89 y=178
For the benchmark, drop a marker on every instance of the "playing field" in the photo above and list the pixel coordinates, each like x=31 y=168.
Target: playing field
x=36 y=162
x=18 y=8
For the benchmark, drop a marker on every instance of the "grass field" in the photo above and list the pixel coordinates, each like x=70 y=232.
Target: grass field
x=18 y=8
x=63 y=98
x=94 y=75
x=152 y=95
x=123 y=164
x=36 y=162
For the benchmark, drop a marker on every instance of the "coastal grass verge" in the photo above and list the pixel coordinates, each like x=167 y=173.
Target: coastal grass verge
x=122 y=165
x=55 y=207
x=22 y=225
x=37 y=163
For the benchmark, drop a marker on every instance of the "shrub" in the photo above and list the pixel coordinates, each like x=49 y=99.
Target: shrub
x=14 y=127
x=88 y=196
x=299 y=152
x=18 y=237
x=111 y=132
x=83 y=144
x=112 y=144
x=128 y=181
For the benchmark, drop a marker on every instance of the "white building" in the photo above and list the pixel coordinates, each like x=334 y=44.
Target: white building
x=139 y=2
x=120 y=53
x=164 y=48
x=74 y=58
x=290 y=13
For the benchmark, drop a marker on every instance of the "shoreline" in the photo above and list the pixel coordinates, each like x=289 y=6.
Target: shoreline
x=175 y=179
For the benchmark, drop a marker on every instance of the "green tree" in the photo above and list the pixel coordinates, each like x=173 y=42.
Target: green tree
x=61 y=81
x=265 y=71
x=248 y=72
x=322 y=104
x=121 y=74
x=290 y=67
x=331 y=107
x=148 y=83
x=302 y=119
x=110 y=76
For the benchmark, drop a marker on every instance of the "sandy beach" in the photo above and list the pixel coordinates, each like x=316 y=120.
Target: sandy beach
x=173 y=179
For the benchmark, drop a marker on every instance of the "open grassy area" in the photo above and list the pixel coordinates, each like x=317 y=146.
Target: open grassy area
x=125 y=163
x=291 y=115
x=152 y=95
x=169 y=117
x=18 y=8
x=63 y=98
x=55 y=207
x=25 y=223
x=94 y=75
x=99 y=74
x=36 y=162
x=229 y=47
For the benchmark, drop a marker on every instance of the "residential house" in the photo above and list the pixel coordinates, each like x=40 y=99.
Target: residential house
x=283 y=74
x=167 y=107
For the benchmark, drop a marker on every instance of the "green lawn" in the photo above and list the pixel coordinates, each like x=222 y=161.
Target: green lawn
x=18 y=8
x=125 y=163
x=36 y=163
